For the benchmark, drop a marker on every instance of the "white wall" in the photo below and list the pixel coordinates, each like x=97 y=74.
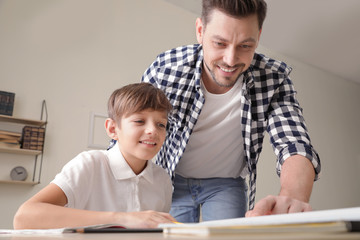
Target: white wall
x=331 y=111
x=75 y=53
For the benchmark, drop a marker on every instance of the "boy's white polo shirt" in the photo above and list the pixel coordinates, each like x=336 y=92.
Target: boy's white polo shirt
x=102 y=180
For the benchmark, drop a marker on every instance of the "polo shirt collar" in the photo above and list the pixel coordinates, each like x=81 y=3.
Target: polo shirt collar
x=121 y=169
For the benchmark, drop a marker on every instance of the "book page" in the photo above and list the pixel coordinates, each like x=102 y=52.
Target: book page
x=335 y=215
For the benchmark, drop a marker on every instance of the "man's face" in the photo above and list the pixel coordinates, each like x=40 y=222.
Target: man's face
x=229 y=45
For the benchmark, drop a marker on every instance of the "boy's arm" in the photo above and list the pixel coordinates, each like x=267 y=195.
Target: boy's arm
x=46 y=210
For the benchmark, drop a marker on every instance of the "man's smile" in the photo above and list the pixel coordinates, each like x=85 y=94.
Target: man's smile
x=228 y=70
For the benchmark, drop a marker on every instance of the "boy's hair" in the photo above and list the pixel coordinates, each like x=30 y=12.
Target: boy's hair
x=134 y=98
x=235 y=8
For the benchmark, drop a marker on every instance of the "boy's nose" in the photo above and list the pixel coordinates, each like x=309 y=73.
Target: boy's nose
x=150 y=129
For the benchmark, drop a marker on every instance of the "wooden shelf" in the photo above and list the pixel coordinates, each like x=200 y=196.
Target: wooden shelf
x=20 y=151
x=36 y=155
x=19 y=182
x=10 y=119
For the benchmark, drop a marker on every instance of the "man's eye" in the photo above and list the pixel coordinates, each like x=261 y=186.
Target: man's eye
x=139 y=121
x=219 y=44
x=246 y=46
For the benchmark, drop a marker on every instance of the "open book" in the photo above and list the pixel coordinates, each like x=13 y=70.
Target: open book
x=109 y=228
x=337 y=220
x=101 y=228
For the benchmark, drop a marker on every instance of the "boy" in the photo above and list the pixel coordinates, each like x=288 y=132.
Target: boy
x=118 y=186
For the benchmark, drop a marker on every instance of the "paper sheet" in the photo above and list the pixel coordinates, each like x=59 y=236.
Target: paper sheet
x=334 y=215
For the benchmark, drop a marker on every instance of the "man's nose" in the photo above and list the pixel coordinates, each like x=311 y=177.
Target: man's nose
x=230 y=56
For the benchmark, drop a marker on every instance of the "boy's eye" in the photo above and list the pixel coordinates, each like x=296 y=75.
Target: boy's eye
x=162 y=125
x=139 y=121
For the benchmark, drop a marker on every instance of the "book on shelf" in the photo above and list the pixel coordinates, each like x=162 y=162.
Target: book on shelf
x=9 y=145
x=9 y=139
x=7 y=134
x=7 y=100
x=314 y=222
x=33 y=138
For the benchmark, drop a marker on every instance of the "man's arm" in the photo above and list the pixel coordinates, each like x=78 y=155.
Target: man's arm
x=46 y=210
x=296 y=179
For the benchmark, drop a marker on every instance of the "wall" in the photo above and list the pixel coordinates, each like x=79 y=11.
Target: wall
x=331 y=111
x=75 y=53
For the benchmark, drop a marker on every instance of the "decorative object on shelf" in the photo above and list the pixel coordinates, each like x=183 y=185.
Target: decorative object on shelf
x=7 y=100
x=18 y=173
x=33 y=138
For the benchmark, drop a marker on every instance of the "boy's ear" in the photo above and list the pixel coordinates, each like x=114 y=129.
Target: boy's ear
x=110 y=126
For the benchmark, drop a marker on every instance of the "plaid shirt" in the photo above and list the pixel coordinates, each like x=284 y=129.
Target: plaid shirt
x=268 y=102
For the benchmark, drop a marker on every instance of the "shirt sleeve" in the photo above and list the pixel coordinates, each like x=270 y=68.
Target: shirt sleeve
x=287 y=129
x=150 y=74
x=75 y=179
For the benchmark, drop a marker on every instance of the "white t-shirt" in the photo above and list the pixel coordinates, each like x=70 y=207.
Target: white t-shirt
x=215 y=148
x=102 y=180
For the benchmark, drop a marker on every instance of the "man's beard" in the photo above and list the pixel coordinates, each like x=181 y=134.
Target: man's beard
x=230 y=84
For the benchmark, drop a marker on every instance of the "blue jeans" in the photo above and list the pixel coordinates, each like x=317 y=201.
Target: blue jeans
x=218 y=198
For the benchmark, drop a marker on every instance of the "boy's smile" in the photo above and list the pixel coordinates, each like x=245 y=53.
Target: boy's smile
x=148 y=142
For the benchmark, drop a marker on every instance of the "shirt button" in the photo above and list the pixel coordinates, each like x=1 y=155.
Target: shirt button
x=197 y=109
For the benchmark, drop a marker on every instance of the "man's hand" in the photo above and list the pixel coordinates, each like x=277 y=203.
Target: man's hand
x=296 y=180
x=278 y=205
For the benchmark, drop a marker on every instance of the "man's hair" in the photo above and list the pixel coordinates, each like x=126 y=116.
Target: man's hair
x=134 y=98
x=235 y=8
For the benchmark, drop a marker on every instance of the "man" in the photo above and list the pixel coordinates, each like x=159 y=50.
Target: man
x=224 y=97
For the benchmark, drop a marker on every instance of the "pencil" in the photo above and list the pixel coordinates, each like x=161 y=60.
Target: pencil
x=177 y=222
x=118 y=230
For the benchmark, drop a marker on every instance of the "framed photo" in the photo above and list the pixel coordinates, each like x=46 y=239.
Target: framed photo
x=98 y=139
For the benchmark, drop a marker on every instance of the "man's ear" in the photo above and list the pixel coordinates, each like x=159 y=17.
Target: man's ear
x=259 y=34
x=199 y=30
x=110 y=126
x=258 y=40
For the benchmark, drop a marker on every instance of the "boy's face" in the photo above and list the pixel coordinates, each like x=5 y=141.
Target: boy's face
x=140 y=136
x=228 y=45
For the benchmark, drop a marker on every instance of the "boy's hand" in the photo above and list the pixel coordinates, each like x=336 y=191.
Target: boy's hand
x=145 y=219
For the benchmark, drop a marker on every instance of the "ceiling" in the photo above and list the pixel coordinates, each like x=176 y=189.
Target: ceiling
x=322 y=33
